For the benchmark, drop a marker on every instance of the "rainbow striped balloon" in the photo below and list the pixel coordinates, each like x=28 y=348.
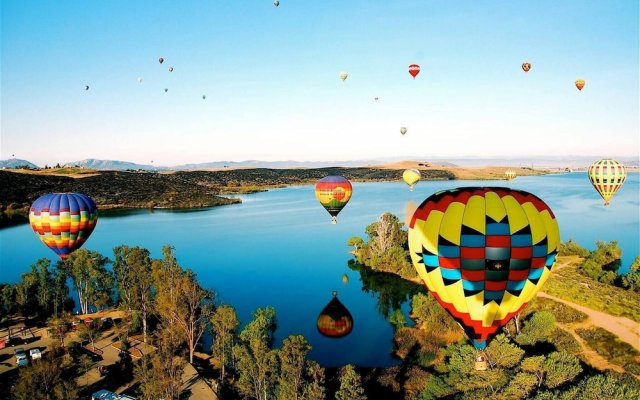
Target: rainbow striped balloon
x=63 y=221
x=333 y=192
x=607 y=176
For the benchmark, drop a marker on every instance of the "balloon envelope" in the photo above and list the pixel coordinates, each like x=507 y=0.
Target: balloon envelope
x=343 y=75
x=333 y=192
x=160 y=60
x=580 y=84
x=510 y=174
x=483 y=253
x=63 y=221
x=335 y=321
x=526 y=67
x=403 y=130
x=607 y=176
x=411 y=177
x=276 y=3
x=414 y=70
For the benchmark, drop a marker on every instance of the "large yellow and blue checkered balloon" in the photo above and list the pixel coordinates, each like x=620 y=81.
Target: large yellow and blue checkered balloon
x=63 y=221
x=483 y=253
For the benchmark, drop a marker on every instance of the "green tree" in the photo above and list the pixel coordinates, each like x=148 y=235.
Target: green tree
x=256 y=362
x=608 y=386
x=397 y=319
x=572 y=248
x=7 y=304
x=314 y=389
x=534 y=365
x=91 y=279
x=224 y=326
x=538 y=328
x=520 y=386
x=292 y=357
x=350 y=385
x=90 y=331
x=43 y=380
x=560 y=367
x=58 y=327
x=356 y=242
x=133 y=270
x=502 y=353
x=160 y=373
x=631 y=280
x=180 y=300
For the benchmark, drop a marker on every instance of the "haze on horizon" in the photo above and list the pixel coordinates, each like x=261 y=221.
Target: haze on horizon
x=270 y=76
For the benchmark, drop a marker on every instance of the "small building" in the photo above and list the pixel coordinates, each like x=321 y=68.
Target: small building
x=107 y=395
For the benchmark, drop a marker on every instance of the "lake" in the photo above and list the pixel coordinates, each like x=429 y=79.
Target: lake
x=279 y=249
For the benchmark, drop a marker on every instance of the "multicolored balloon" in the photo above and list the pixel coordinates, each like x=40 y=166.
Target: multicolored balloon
x=411 y=177
x=526 y=67
x=63 y=221
x=580 y=84
x=510 y=174
x=414 y=70
x=333 y=192
x=483 y=253
x=607 y=176
x=343 y=75
x=335 y=321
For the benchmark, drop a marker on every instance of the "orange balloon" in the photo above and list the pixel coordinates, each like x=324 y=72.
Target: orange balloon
x=580 y=84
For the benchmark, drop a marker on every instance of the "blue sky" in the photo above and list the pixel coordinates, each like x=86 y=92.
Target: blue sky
x=271 y=79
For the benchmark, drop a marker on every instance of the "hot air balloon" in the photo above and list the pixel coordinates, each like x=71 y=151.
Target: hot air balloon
x=63 y=221
x=411 y=177
x=526 y=67
x=86 y=87
x=170 y=69
x=607 y=176
x=483 y=253
x=403 y=130
x=335 y=320
x=580 y=84
x=166 y=90
x=414 y=70
x=344 y=75
x=376 y=98
x=160 y=60
x=333 y=192
x=510 y=174
x=276 y=3
x=345 y=279
x=139 y=79
x=204 y=97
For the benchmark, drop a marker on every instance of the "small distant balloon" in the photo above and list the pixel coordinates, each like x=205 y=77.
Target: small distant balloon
x=411 y=177
x=580 y=84
x=204 y=97
x=414 y=70
x=166 y=90
x=607 y=176
x=345 y=279
x=170 y=69
x=344 y=75
x=403 y=130
x=510 y=174
x=139 y=79
x=526 y=67
x=376 y=98
x=276 y=3
x=160 y=60
x=86 y=87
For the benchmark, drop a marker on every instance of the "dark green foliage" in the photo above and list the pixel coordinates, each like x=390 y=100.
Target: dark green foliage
x=386 y=247
x=560 y=367
x=350 y=385
x=538 y=328
x=608 y=386
x=602 y=264
x=631 y=280
x=572 y=248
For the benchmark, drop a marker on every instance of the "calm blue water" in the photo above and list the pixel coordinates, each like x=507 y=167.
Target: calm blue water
x=279 y=249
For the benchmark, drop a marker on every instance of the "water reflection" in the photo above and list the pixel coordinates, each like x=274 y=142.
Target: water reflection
x=390 y=291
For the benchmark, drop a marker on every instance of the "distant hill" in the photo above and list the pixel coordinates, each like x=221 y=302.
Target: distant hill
x=273 y=164
x=16 y=163
x=111 y=165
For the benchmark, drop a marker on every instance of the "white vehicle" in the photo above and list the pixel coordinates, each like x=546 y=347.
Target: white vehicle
x=35 y=354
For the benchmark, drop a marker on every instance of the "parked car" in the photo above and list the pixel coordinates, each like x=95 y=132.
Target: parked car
x=35 y=354
x=21 y=357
